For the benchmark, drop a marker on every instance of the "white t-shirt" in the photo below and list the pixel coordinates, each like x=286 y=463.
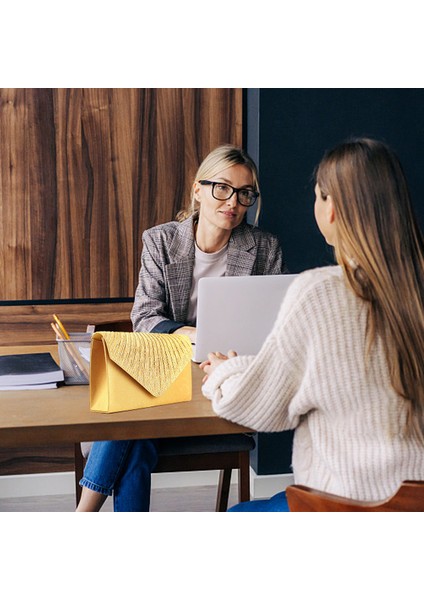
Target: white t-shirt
x=206 y=264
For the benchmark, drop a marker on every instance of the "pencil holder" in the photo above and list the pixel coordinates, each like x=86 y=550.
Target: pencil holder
x=74 y=357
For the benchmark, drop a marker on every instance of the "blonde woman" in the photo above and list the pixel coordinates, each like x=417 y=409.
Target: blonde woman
x=344 y=363
x=211 y=238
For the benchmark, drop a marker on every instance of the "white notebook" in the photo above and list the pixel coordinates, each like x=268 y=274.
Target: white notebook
x=237 y=313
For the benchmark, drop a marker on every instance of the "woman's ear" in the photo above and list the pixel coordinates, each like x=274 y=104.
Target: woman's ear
x=196 y=189
x=330 y=212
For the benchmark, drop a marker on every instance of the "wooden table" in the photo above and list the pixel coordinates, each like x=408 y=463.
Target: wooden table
x=62 y=415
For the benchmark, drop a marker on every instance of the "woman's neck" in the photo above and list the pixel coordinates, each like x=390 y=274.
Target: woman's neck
x=209 y=239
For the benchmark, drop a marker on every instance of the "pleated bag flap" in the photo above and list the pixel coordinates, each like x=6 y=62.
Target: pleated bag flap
x=137 y=370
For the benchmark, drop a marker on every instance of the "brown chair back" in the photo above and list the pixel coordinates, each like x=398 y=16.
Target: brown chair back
x=115 y=326
x=408 y=498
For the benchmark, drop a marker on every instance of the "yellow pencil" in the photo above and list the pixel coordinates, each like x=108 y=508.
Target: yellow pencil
x=72 y=351
x=61 y=327
x=57 y=331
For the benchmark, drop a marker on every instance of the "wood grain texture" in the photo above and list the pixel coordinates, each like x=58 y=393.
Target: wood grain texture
x=83 y=172
x=63 y=415
x=409 y=497
x=37 y=459
x=30 y=324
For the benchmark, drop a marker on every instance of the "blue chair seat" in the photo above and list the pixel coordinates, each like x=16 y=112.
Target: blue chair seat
x=237 y=442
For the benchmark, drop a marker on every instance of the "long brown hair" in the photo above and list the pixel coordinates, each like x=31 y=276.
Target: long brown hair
x=381 y=250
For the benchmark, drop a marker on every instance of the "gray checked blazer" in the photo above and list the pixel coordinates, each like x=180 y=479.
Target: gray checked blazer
x=167 y=260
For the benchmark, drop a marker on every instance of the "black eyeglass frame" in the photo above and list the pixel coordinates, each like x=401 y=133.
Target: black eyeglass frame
x=235 y=191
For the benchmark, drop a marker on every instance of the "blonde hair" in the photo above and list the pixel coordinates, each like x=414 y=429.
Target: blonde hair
x=216 y=161
x=381 y=250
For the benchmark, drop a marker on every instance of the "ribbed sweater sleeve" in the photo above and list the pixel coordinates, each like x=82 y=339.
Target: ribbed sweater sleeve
x=313 y=374
x=261 y=392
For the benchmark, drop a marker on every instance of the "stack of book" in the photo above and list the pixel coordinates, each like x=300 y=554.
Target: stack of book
x=29 y=372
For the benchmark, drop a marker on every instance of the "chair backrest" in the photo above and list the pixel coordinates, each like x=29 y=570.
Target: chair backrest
x=115 y=326
x=408 y=498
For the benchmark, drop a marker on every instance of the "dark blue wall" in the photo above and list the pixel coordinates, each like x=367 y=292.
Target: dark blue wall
x=287 y=132
x=297 y=126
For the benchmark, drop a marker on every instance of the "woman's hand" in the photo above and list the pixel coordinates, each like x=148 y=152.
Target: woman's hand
x=214 y=360
x=187 y=330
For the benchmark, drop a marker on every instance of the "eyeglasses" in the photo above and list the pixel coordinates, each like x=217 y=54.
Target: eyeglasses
x=224 y=191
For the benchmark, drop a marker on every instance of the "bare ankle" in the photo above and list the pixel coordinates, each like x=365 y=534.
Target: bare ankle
x=91 y=501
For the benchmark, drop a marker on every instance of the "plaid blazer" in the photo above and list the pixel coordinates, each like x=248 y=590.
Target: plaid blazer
x=167 y=260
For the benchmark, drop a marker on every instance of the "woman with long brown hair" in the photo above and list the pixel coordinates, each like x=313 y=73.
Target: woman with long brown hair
x=344 y=364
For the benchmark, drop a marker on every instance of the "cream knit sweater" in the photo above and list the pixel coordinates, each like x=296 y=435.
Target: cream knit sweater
x=311 y=375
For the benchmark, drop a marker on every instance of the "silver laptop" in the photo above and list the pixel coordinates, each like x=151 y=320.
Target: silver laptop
x=237 y=313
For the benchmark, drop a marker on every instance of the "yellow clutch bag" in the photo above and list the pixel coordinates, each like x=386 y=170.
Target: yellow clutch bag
x=138 y=370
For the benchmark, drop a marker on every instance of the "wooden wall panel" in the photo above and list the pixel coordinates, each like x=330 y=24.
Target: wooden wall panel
x=30 y=324
x=83 y=172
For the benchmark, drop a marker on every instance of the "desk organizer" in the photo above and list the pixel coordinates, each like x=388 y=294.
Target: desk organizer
x=74 y=357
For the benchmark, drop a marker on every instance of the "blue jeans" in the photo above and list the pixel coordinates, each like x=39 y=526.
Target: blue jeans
x=277 y=503
x=123 y=468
